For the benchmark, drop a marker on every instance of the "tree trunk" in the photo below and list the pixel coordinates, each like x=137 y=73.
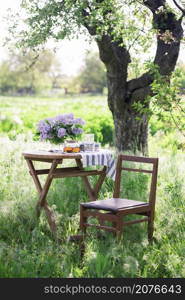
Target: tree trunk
x=131 y=134
x=130 y=128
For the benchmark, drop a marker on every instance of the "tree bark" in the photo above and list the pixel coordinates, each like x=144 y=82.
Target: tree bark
x=130 y=128
x=131 y=134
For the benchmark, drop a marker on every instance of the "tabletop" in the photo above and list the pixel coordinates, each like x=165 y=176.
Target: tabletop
x=50 y=155
x=103 y=157
x=58 y=154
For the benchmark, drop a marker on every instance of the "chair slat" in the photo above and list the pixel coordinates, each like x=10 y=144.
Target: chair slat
x=135 y=221
x=103 y=216
x=137 y=170
x=139 y=159
x=112 y=229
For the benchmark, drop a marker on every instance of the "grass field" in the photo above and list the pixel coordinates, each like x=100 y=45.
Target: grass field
x=20 y=115
x=26 y=245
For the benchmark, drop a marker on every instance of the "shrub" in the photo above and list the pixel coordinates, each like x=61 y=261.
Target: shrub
x=102 y=127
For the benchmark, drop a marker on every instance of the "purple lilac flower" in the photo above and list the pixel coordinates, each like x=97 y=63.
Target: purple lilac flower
x=43 y=126
x=58 y=127
x=69 y=119
x=50 y=120
x=60 y=118
x=69 y=116
x=77 y=131
x=44 y=136
x=61 y=132
x=44 y=129
x=66 y=119
x=68 y=122
x=79 y=121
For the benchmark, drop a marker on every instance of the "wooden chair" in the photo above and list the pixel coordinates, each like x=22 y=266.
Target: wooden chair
x=115 y=209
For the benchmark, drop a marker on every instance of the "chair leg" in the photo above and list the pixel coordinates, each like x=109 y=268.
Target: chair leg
x=150 y=227
x=83 y=219
x=114 y=224
x=119 y=227
x=100 y=235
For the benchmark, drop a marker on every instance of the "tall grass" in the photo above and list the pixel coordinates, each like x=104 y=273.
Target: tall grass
x=28 y=250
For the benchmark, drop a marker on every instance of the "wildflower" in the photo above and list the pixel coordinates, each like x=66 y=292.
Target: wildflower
x=76 y=130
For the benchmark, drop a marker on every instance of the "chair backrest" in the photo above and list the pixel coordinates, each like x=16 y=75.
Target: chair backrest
x=137 y=159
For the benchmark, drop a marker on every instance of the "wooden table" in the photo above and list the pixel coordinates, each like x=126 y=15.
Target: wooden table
x=54 y=171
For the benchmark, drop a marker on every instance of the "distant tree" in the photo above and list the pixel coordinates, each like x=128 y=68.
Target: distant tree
x=7 y=78
x=29 y=72
x=71 y=85
x=92 y=77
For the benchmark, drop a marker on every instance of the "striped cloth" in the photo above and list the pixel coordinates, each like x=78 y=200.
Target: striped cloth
x=100 y=158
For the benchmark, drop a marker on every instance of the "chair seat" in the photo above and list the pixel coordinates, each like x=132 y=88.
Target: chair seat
x=114 y=204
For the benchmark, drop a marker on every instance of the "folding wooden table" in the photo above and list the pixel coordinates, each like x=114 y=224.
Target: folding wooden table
x=54 y=171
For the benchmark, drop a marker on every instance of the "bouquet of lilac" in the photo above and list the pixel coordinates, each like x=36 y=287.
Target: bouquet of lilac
x=60 y=128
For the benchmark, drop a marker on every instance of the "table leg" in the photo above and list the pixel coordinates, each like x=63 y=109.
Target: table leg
x=34 y=175
x=37 y=183
x=51 y=219
x=100 y=182
x=42 y=203
x=92 y=192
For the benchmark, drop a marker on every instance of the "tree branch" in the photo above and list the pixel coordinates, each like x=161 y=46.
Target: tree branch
x=91 y=29
x=177 y=124
x=153 y=5
x=140 y=94
x=137 y=85
x=179 y=7
x=111 y=53
x=169 y=35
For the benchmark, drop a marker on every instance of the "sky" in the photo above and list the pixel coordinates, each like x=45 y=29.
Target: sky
x=70 y=53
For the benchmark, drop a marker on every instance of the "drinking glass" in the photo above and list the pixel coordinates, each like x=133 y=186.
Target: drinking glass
x=89 y=137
